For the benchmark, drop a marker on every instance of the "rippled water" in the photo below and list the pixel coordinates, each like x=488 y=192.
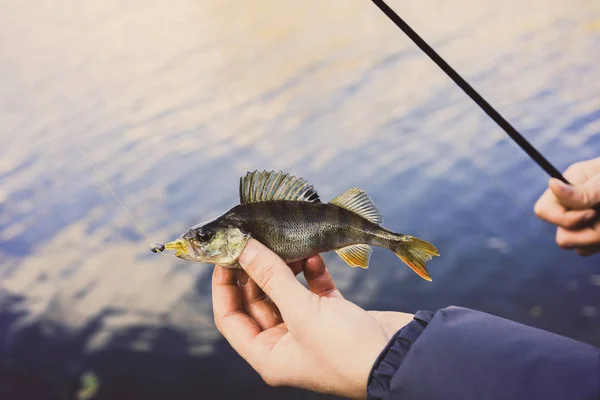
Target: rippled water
x=174 y=101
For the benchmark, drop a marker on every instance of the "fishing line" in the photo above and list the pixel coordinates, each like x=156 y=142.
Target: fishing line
x=531 y=151
x=113 y=193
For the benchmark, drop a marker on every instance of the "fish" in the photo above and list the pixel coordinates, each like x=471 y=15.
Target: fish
x=285 y=213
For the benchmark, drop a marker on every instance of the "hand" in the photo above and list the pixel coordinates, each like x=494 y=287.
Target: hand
x=571 y=207
x=308 y=338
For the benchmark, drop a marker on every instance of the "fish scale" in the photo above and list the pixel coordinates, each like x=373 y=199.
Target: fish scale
x=296 y=230
x=286 y=215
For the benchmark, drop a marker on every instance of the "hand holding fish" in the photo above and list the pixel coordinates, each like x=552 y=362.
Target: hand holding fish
x=571 y=208
x=310 y=338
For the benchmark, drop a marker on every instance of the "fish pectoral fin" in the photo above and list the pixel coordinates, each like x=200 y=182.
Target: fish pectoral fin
x=356 y=255
x=261 y=186
x=359 y=202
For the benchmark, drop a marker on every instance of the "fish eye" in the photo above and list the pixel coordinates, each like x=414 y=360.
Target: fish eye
x=204 y=236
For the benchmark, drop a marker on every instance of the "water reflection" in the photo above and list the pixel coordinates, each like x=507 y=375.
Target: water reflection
x=174 y=102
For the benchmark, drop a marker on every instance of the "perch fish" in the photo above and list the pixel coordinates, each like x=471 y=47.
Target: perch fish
x=285 y=214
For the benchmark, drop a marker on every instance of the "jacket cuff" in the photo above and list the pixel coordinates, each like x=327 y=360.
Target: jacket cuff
x=389 y=360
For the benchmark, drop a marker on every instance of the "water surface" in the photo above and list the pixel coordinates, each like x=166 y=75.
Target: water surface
x=174 y=101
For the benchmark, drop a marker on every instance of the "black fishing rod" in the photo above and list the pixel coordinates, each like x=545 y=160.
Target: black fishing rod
x=485 y=106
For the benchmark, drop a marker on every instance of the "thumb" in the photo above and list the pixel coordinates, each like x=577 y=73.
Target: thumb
x=577 y=197
x=274 y=277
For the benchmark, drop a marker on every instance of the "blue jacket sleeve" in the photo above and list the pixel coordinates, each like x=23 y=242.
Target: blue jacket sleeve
x=457 y=353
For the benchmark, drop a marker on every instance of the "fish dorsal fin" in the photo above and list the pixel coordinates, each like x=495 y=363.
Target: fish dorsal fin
x=257 y=187
x=356 y=255
x=357 y=201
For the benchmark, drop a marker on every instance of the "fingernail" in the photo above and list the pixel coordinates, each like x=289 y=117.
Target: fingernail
x=563 y=187
x=242 y=277
x=248 y=253
x=589 y=215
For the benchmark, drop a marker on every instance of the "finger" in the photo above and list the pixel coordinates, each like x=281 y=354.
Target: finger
x=297 y=266
x=550 y=210
x=579 y=196
x=259 y=307
x=227 y=297
x=256 y=303
x=588 y=251
x=318 y=278
x=568 y=239
x=275 y=278
x=242 y=277
x=231 y=320
x=577 y=173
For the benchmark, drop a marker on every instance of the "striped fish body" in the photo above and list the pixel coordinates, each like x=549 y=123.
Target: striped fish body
x=295 y=230
x=285 y=214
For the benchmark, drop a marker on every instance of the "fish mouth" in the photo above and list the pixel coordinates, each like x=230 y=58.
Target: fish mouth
x=183 y=248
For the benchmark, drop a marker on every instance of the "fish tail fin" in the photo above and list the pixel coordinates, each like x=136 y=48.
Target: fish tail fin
x=416 y=253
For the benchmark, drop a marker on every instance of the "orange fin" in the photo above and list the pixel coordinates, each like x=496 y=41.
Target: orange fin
x=416 y=253
x=356 y=255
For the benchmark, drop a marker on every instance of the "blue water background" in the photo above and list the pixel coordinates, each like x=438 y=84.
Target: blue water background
x=174 y=101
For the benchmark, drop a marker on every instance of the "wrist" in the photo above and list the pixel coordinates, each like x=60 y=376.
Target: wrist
x=370 y=352
x=392 y=355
